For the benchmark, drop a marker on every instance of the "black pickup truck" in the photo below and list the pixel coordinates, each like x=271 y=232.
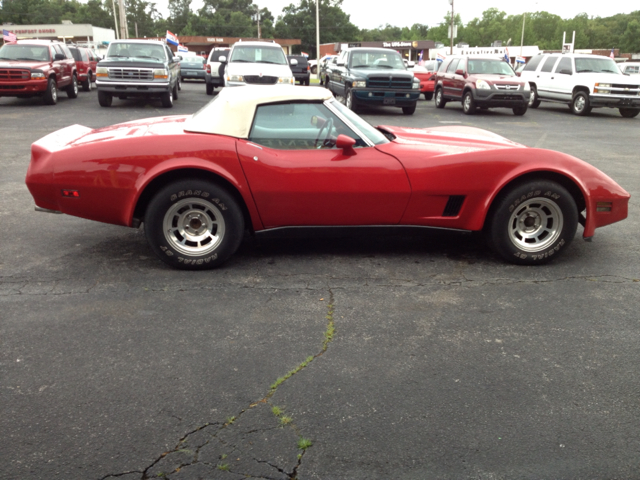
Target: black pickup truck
x=138 y=68
x=373 y=76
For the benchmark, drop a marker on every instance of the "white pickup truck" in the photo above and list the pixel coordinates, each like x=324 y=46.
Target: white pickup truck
x=583 y=82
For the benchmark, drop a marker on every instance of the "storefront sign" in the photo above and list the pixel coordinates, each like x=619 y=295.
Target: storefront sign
x=397 y=44
x=217 y=40
x=35 y=30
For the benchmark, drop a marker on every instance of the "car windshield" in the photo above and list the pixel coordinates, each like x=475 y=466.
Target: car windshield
x=375 y=59
x=29 y=53
x=136 y=50
x=600 y=65
x=372 y=133
x=257 y=54
x=490 y=67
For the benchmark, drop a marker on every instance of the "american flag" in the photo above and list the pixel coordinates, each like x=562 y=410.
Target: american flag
x=612 y=54
x=8 y=36
x=440 y=57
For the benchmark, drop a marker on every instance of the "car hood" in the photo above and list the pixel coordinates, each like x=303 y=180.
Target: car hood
x=261 y=69
x=22 y=64
x=617 y=78
x=454 y=139
x=496 y=78
x=366 y=72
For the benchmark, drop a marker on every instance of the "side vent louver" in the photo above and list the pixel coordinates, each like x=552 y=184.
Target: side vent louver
x=454 y=204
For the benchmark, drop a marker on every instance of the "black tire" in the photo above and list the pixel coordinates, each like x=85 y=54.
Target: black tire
x=209 y=88
x=428 y=96
x=87 y=85
x=350 y=100
x=175 y=91
x=179 y=85
x=468 y=104
x=519 y=111
x=439 y=98
x=105 y=99
x=580 y=104
x=167 y=99
x=193 y=225
x=409 y=110
x=532 y=222
x=534 y=101
x=72 y=90
x=629 y=112
x=50 y=96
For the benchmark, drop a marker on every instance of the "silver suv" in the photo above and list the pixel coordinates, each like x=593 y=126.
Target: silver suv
x=214 y=76
x=583 y=82
x=138 y=68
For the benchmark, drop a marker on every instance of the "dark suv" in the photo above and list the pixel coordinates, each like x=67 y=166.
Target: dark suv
x=301 y=70
x=31 y=68
x=485 y=82
x=373 y=76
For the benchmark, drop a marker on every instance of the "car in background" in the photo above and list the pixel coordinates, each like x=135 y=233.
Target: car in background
x=373 y=76
x=300 y=70
x=270 y=158
x=86 y=64
x=324 y=62
x=485 y=82
x=426 y=73
x=629 y=68
x=257 y=63
x=31 y=68
x=138 y=68
x=583 y=82
x=193 y=68
x=214 y=70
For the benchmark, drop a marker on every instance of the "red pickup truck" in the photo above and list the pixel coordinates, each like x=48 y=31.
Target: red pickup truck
x=37 y=68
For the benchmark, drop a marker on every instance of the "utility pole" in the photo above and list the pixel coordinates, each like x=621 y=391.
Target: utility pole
x=124 y=30
x=451 y=2
x=524 y=16
x=115 y=19
x=318 y=37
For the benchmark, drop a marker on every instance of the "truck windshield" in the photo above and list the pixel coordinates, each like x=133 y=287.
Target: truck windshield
x=29 y=53
x=490 y=67
x=603 y=64
x=255 y=54
x=136 y=50
x=375 y=59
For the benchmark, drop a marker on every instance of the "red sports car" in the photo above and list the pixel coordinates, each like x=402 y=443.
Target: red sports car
x=264 y=157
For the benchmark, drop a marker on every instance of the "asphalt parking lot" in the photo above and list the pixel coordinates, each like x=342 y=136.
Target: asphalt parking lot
x=377 y=357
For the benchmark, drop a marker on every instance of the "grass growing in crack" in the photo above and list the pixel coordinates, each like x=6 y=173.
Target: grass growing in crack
x=223 y=466
x=230 y=420
x=277 y=411
x=284 y=420
x=223 y=456
x=304 y=443
x=283 y=379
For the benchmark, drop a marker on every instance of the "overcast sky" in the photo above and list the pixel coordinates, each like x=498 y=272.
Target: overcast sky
x=373 y=13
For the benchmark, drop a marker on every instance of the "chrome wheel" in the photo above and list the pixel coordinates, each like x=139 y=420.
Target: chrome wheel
x=54 y=92
x=535 y=224
x=579 y=104
x=194 y=226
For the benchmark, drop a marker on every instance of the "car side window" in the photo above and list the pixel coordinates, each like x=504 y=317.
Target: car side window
x=57 y=49
x=66 y=51
x=533 y=63
x=548 y=64
x=453 y=65
x=169 y=54
x=298 y=126
x=565 y=66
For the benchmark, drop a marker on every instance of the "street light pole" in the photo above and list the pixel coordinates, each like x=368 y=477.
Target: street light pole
x=451 y=2
x=524 y=16
x=317 y=37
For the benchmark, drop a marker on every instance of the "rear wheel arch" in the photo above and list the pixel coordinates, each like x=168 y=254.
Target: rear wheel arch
x=560 y=179
x=173 y=176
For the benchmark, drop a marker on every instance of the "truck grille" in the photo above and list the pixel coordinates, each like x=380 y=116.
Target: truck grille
x=390 y=82
x=130 y=74
x=8 y=74
x=620 y=89
x=512 y=88
x=260 y=80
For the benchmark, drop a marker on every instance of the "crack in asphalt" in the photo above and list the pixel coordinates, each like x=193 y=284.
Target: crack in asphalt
x=147 y=473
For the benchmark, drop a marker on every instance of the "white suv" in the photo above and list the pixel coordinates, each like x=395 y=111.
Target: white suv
x=583 y=82
x=261 y=63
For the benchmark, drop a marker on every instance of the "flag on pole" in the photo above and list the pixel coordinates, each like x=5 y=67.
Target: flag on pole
x=440 y=57
x=182 y=48
x=612 y=54
x=304 y=54
x=8 y=36
x=172 y=39
x=520 y=59
x=506 y=55
x=420 y=60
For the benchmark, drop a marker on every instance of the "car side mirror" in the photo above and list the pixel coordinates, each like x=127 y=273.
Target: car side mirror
x=459 y=72
x=177 y=59
x=59 y=56
x=293 y=62
x=222 y=59
x=346 y=144
x=566 y=71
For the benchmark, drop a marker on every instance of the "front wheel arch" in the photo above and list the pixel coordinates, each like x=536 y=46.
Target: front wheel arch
x=566 y=182
x=171 y=176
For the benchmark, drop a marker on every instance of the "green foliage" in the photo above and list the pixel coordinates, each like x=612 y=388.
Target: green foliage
x=304 y=443
x=224 y=467
x=277 y=411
